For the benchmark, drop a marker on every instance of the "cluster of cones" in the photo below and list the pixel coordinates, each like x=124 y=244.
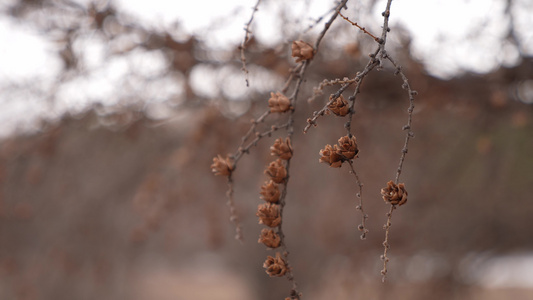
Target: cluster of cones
x=269 y=213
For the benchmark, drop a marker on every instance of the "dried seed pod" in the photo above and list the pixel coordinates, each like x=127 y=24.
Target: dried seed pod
x=222 y=166
x=269 y=238
x=276 y=170
x=302 y=51
x=270 y=192
x=282 y=149
x=279 y=103
x=331 y=155
x=268 y=214
x=348 y=147
x=339 y=107
x=394 y=194
x=275 y=266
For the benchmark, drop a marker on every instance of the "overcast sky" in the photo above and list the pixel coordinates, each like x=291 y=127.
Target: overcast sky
x=472 y=30
x=450 y=36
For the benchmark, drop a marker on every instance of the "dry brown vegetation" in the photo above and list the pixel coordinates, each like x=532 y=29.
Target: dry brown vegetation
x=112 y=203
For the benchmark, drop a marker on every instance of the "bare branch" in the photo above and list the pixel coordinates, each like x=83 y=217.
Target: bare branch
x=247 y=37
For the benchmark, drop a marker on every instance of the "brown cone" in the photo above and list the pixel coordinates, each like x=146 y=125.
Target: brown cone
x=269 y=238
x=282 y=149
x=275 y=266
x=279 y=103
x=222 y=166
x=302 y=51
x=339 y=107
x=270 y=192
x=268 y=214
x=348 y=147
x=276 y=170
x=331 y=155
x=394 y=194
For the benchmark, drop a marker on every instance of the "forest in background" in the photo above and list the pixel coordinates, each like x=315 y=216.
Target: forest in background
x=117 y=201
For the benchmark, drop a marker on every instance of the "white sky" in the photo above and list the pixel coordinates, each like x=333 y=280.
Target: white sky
x=471 y=28
x=448 y=35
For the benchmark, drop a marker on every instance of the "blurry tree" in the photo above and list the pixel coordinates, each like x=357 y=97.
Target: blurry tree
x=106 y=190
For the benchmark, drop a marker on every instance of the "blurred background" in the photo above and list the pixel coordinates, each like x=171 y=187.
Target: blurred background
x=113 y=110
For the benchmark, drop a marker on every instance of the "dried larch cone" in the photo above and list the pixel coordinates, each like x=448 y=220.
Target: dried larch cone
x=281 y=148
x=339 y=107
x=269 y=238
x=331 y=155
x=268 y=214
x=275 y=266
x=394 y=194
x=276 y=170
x=222 y=166
x=278 y=103
x=302 y=51
x=270 y=192
x=348 y=147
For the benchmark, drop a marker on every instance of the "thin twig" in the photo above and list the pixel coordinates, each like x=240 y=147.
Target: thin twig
x=328 y=24
x=258 y=136
x=233 y=211
x=357 y=79
x=410 y=134
x=385 y=29
x=363 y=29
x=386 y=245
x=290 y=275
x=364 y=216
x=248 y=134
x=383 y=40
x=372 y=63
x=293 y=73
x=317 y=91
x=321 y=112
x=245 y=42
x=318 y=20
x=382 y=56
